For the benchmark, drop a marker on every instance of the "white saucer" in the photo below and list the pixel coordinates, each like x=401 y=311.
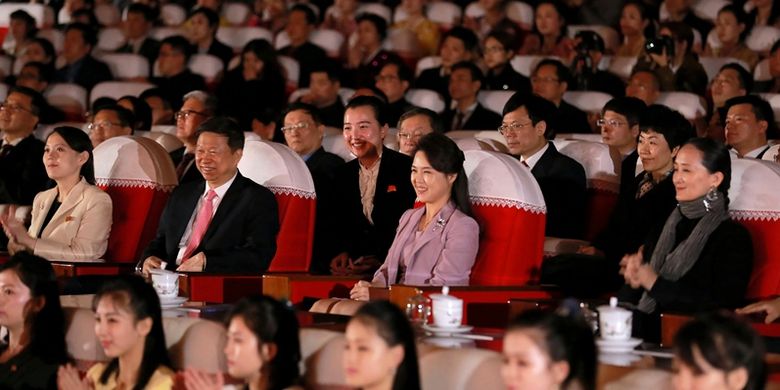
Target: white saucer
x=442 y=330
x=619 y=359
x=172 y=302
x=617 y=346
x=450 y=342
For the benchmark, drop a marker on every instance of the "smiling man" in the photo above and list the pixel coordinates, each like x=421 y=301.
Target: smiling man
x=227 y=224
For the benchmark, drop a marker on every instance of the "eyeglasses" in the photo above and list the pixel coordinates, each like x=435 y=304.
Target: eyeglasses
x=186 y=114
x=545 y=80
x=494 y=49
x=410 y=136
x=101 y=125
x=15 y=108
x=297 y=126
x=611 y=122
x=513 y=127
x=386 y=78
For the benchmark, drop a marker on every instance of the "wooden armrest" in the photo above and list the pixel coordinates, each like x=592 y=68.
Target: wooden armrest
x=298 y=287
x=219 y=287
x=67 y=269
x=556 y=246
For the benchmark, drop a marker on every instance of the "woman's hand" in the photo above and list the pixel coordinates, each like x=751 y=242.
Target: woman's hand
x=589 y=250
x=68 y=378
x=770 y=307
x=629 y=268
x=360 y=291
x=199 y=380
x=14 y=229
x=646 y=276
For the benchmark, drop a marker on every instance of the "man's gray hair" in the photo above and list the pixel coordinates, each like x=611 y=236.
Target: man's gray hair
x=208 y=100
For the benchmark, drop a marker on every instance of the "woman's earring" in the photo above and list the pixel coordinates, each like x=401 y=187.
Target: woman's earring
x=712 y=196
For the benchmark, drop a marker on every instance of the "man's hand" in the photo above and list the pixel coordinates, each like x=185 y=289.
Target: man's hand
x=339 y=264
x=360 y=291
x=151 y=262
x=364 y=265
x=195 y=263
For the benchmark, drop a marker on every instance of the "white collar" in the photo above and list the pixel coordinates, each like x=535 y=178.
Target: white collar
x=534 y=158
x=221 y=190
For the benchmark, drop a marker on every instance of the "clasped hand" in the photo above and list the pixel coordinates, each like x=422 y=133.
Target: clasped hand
x=343 y=265
x=636 y=273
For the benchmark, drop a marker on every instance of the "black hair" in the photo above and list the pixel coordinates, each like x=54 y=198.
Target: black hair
x=45 y=327
x=644 y=13
x=465 y=35
x=47 y=47
x=561 y=10
x=656 y=79
x=375 y=92
x=774 y=14
x=180 y=44
x=474 y=70
x=374 y=103
x=404 y=72
x=226 y=127
x=142 y=9
x=565 y=338
x=761 y=109
x=45 y=71
x=507 y=40
x=139 y=298
x=102 y=102
x=393 y=327
x=380 y=24
x=37 y=101
x=88 y=33
x=329 y=67
x=630 y=107
x=158 y=93
x=742 y=18
x=776 y=45
x=437 y=124
x=141 y=111
x=590 y=40
x=745 y=78
x=681 y=32
x=29 y=22
x=561 y=70
x=89 y=14
x=79 y=141
x=726 y=343
x=265 y=52
x=716 y=158
x=538 y=108
x=274 y=322
x=211 y=17
x=126 y=117
x=309 y=109
x=311 y=16
x=667 y=122
x=444 y=156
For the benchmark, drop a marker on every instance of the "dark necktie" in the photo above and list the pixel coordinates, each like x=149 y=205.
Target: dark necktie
x=5 y=150
x=185 y=162
x=458 y=122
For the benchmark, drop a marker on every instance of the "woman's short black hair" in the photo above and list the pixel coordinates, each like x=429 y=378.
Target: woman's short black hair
x=380 y=24
x=29 y=22
x=265 y=52
x=667 y=122
x=393 y=327
x=47 y=46
x=444 y=156
x=726 y=343
x=716 y=158
x=142 y=113
x=79 y=141
x=274 y=322
x=135 y=295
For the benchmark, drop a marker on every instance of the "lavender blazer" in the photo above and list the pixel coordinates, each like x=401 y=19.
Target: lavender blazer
x=443 y=255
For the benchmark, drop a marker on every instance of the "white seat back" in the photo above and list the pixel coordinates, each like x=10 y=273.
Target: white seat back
x=110 y=39
x=688 y=104
x=172 y=15
x=427 y=63
x=426 y=98
x=236 y=13
x=238 y=37
x=126 y=65
x=494 y=100
x=588 y=101
x=117 y=89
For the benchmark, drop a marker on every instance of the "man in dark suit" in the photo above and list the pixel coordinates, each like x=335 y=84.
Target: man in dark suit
x=203 y=34
x=38 y=76
x=374 y=190
x=300 y=23
x=619 y=126
x=323 y=93
x=175 y=78
x=136 y=27
x=198 y=107
x=458 y=44
x=80 y=67
x=227 y=224
x=303 y=133
x=394 y=79
x=550 y=80
x=561 y=179
x=467 y=114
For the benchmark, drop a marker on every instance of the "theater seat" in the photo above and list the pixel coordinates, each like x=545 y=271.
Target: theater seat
x=334 y=143
x=445 y=14
x=762 y=73
x=292 y=71
x=238 y=37
x=117 y=89
x=43 y=15
x=167 y=141
x=762 y=38
x=622 y=66
x=525 y=64
x=461 y=368
x=510 y=209
x=521 y=13
x=126 y=65
x=426 y=98
x=688 y=104
x=70 y=98
x=494 y=100
x=172 y=15
x=110 y=39
x=755 y=203
x=282 y=171
x=236 y=13
x=588 y=101
x=377 y=9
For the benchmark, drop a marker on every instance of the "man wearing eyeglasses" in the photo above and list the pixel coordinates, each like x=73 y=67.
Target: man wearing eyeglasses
x=109 y=122
x=619 y=124
x=394 y=79
x=413 y=125
x=175 y=79
x=197 y=108
x=550 y=80
x=526 y=127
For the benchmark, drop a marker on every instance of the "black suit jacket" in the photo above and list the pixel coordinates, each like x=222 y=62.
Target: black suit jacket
x=394 y=195
x=150 y=48
x=177 y=86
x=221 y=51
x=562 y=181
x=480 y=119
x=433 y=80
x=90 y=73
x=191 y=174
x=571 y=120
x=240 y=238
x=22 y=174
x=507 y=80
x=628 y=174
x=323 y=166
x=307 y=55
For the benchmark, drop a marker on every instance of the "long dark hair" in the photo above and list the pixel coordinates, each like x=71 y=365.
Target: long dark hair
x=79 y=141
x=263 y=50
x=715 y=157
x=46 y=327
x=726 y=343
x=273 y=322
x=139 y=298
x=444 y=156
x=393 y=327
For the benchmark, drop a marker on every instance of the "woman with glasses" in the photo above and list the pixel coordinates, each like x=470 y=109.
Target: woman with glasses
x=435 y=244
x=73 y=220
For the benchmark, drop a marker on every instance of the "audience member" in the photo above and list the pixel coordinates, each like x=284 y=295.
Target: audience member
x=674 y=62
x=264 y=124
x=585 y=66
x=561 y=179
x=73 y=220
x=262 y=348
x=732 y=27
x=175 y=79
x=162 y=112
x=341 y=17
x=550 y=80
x=771 y=85
x=679 y=11
x=635 y=25
x=763 y=13
x=701 y=259
x=197 y=108
x=394 y=80
x=459 y=44
x=619 y=125
x=128 y=322
x=109 y=122
x=466 y=113
x=227 y=224
x=748 y=122
x=38 y=76
x=415 y=124
x=37 y=49
x=21 y=28
x=80 y=67
x=367 y=57
x=301 y=22
x=497 y=55
x=494 y=19
x=373 y=190
x=324 y=93
x=417 y=23
x=34 y=344
x=731 y=81
x=140 y=109
x=136 y=28
x=644 y=85
x=380 y=352
x=202 y=33
x=548 y=37
x=270 y=14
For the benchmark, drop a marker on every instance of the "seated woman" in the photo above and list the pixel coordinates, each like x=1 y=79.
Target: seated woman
x=202 y=27
x=718 y=351
x=635 y=21
x=435 y=244
x=380 y=353
x=499 y=50
x=701 y=259
x=732 y=27
x=262 y=348
x=494 y=19
x=548 y=37
x=549 y=351
x=73 y=220
x=426 y=31
x=128 y=323
x=35 y=344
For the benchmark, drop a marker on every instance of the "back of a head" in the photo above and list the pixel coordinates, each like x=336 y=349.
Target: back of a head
x=180 y=44
x=465 y=35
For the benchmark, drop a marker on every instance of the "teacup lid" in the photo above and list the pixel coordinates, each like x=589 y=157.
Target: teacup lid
x=612 y=308
x=445 y=295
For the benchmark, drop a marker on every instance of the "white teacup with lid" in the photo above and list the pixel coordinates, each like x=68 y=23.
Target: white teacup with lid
x=614 y=321
x=447 y=309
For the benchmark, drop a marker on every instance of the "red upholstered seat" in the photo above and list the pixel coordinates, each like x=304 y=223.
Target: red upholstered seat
x=509 y=207
x=755 y=202
x=139 y=175
x=282 y=171
x=603 y=182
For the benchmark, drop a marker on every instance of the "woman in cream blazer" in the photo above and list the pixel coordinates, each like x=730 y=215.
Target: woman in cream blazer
x=78 y=229
x=436 y=244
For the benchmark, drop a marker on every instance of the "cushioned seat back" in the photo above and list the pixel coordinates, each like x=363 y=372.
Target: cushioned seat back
x=603 y=182
x=509 y=207
x=755 y=203
x=461 y=369
x=139 y=175
x=282 y=171
x=323 y=367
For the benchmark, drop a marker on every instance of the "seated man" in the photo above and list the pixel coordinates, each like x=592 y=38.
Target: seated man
x=110 y=121
x=550 y=80
x=202 y=27
x=771 y=85
x=227 y=224
x=619 y=125
x=38 y=76
x=731 y=81
x=748 y=122
x=303 y=133
x=466 y=113
x=458 y=44
x=373 y=190
x=323 y=93
x=394 y=79
x=413 y=125
x=197 y=108
x=587 y=75
x=301 y=21
x=136 y=27
x=644 y=85
x=561 y=179
x=80 y=67
x=175 y=78
x=162 y=112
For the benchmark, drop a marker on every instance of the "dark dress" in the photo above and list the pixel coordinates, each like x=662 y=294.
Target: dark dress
x=26 y=371
x=308 y=55
x=507 y=80
x=240 y=98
